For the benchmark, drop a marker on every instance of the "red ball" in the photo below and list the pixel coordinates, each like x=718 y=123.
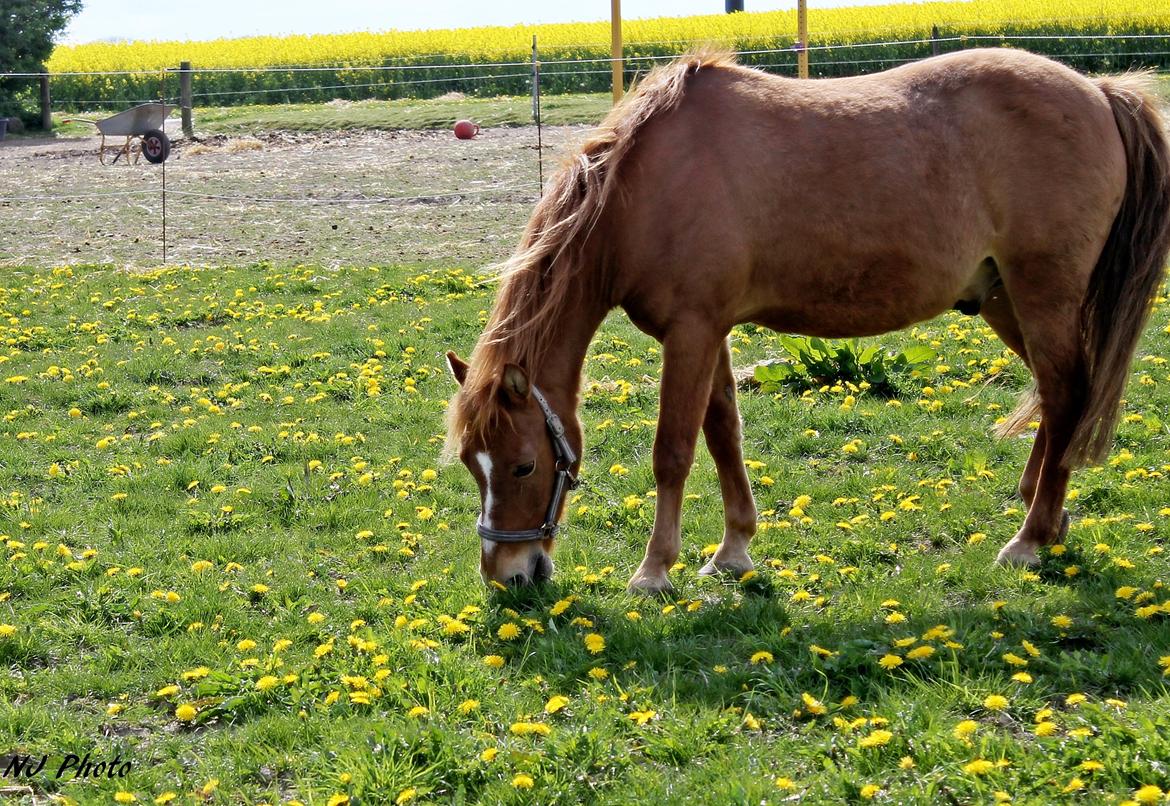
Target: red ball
x=465 y=130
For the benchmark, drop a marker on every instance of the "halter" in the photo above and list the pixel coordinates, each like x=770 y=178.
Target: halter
x=565 y=480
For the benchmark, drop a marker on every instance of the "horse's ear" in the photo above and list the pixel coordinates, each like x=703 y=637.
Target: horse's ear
x=458 y=367
x=515 y=385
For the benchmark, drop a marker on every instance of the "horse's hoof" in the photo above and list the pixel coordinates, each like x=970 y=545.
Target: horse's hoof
x=734 y=568
x=1018 y=552
x=648 y=586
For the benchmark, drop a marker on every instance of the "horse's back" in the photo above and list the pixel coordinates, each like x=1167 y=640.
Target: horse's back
x=879 y=194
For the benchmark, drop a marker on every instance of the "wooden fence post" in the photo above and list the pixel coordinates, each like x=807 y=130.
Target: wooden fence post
x=46 y=104
x=802 y=37
x=934 y=49
x=185 y=98
x=615 y=35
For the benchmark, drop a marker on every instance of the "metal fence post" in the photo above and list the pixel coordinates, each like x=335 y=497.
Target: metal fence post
x=185 y=98
x=536 y=112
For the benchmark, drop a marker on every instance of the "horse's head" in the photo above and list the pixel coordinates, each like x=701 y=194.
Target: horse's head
x=520 y=456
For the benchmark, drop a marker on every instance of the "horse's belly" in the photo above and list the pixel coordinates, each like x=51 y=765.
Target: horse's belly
x=838 y=322
x=863 y=297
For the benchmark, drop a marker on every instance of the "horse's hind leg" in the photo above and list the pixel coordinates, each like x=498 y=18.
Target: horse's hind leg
x=723 y=431
x=997 y=312
x=1046 y=296
x=690 y=354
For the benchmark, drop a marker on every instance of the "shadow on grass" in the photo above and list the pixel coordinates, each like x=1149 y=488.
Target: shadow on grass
x=709 y=658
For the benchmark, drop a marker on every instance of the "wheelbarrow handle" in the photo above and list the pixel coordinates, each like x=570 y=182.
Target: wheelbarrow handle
x=80 y=120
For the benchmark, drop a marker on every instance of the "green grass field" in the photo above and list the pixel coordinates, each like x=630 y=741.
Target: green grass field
x=232 y=558
x=434 y=113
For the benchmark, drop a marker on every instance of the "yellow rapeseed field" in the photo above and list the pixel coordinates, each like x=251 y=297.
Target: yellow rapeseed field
x=503 y=44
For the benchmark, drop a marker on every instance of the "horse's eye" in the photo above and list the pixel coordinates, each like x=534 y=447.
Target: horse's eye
x=520 y=471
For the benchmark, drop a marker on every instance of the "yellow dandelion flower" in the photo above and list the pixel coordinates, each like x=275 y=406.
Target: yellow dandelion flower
x=493 y=661
x=530 y=728
x=186 y=712
x=979 y=766
x=555 y=703
x=995 y=702
x=966 y=728
x=763 y=656
x=890 y=661
x=594 y=643
x=878 y=738
x=523 y=781
x=508 y=631
x=1148 y=794
x=560 y=607
x=813 y=705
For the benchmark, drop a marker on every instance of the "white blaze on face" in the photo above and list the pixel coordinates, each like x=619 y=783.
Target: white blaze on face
x=485 y=464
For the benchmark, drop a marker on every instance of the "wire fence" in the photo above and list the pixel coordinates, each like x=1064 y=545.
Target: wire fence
x=566 y=70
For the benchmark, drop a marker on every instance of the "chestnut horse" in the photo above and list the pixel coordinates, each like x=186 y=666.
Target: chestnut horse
x=994 y=180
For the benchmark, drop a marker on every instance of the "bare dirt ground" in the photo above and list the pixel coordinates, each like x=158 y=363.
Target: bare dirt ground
x=330 y=198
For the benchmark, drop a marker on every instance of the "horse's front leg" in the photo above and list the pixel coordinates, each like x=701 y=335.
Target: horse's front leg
x=690 y=353
x=724 y=434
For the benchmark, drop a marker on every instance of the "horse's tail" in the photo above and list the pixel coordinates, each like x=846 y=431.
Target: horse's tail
x=537 y=277
x=1131 y=266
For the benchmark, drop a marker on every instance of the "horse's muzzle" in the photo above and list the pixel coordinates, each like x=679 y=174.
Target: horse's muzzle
x=540 y=570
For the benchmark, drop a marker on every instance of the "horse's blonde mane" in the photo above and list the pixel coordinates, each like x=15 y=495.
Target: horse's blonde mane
x=535 y=281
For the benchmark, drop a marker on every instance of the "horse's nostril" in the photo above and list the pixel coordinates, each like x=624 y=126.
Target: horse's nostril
x=542 y=568
x=517 y=581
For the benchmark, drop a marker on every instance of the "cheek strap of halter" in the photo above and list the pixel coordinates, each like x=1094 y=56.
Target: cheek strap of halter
x=564 y=481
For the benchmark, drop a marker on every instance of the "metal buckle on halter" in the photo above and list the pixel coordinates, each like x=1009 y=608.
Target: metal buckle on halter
x=564 y=479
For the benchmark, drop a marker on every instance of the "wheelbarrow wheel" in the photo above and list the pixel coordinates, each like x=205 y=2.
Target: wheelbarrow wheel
x=156 y=146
